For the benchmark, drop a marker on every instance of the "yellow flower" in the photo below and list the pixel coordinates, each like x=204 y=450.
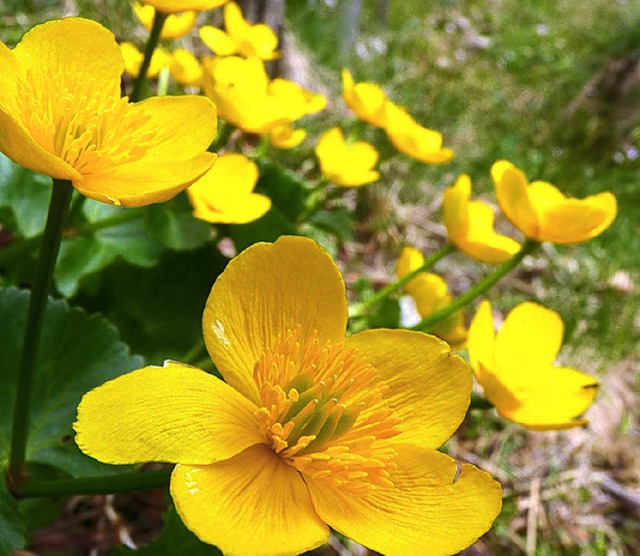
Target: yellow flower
x=541 y=212
x=175 y=26
x=225 y=193
x=286 y=137
x=414 y=140
x=242 y=37
x=173 y=6
x=310 y=429
x=245 y=97
x=367 y=100
x=133 y=60
x=470 y=225
x=61 y=114
x=515 y=367
x=346 y=164
x=185 y=68
x=431 y=293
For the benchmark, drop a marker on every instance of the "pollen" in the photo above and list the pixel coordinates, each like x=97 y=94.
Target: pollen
x=323 y=411
x=85 y=123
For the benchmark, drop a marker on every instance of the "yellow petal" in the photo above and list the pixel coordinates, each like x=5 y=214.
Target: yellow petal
x=235 y=24
x=578 y=220
x=263 y=42
x=218 y=41
x=410 y=259
x=224 y=193
x=251 y=504
x=553 y=399
x=481 y=341
x=427 y=290
x=530 y=337
x=512 y=195
x=173 y=6
x=79 y=48
x=454 y=208
x=429 y=388
x=286 y=137
x=346 y=165
x=175 y=26
x=266 y=290
x=425 y=512
x=174 y=413
x=185 y=68
x=367 y=100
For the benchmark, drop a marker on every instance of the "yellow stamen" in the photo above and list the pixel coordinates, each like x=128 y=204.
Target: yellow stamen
x=323 y=412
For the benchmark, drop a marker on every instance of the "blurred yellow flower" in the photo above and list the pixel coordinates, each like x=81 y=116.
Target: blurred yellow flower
x=286 y=137
x=414 y=140
x=310 y=429
x=515 y=367
x=173 y=6
x=245 y=97
x=61 y=114
x=175 y=26
x=470 y=225
x=542 y=213
x=133 y=60
x=430 y=293
x=242 y=37
x=225 y=193
x=346 y=164
x=367 y=100
x=185 y=68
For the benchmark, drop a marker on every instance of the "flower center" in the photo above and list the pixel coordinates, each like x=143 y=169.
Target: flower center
x=83 y=122
x=323 y=412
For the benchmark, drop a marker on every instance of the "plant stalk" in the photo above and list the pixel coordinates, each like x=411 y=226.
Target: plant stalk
x=152 y=43
x=58 y=208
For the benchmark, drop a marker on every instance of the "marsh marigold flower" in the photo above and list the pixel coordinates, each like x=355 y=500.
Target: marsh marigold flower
x=175 y=26
x=516 y=369
x=286 y=137
x=247 y=98
x=173 y=6
x=61 y=114
x=242 y=37
x=542 y=213
x=470 y=225
x=431 y=293
x=346 y=164
x=225 y=193
x=311 y=430
x=414 y=140
x=185 y=68
x=367 y=100
x=133 y=60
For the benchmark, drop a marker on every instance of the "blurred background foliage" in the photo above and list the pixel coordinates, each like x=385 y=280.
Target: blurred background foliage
x=553 y=86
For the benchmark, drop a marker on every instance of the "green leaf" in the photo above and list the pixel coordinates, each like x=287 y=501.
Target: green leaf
x=77 y=352
x=336 y=221
x=268 y=228
x=11 y=522
x=84 y=255
x=159 y=311
x=285 y=188
x=175 y=540
x=26 y=195
x=173 y=225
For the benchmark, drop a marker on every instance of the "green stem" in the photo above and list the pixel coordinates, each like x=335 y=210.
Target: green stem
x=152 y=43
x=225 y=130
x=58 y=207
x=361 y=308
x=482 y=286
x=127 y=482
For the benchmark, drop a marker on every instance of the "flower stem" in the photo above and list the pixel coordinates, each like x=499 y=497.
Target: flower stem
x=152 y=43
x=477 y=290
x=361 y=308
x=58 y=207
x=110 y=484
